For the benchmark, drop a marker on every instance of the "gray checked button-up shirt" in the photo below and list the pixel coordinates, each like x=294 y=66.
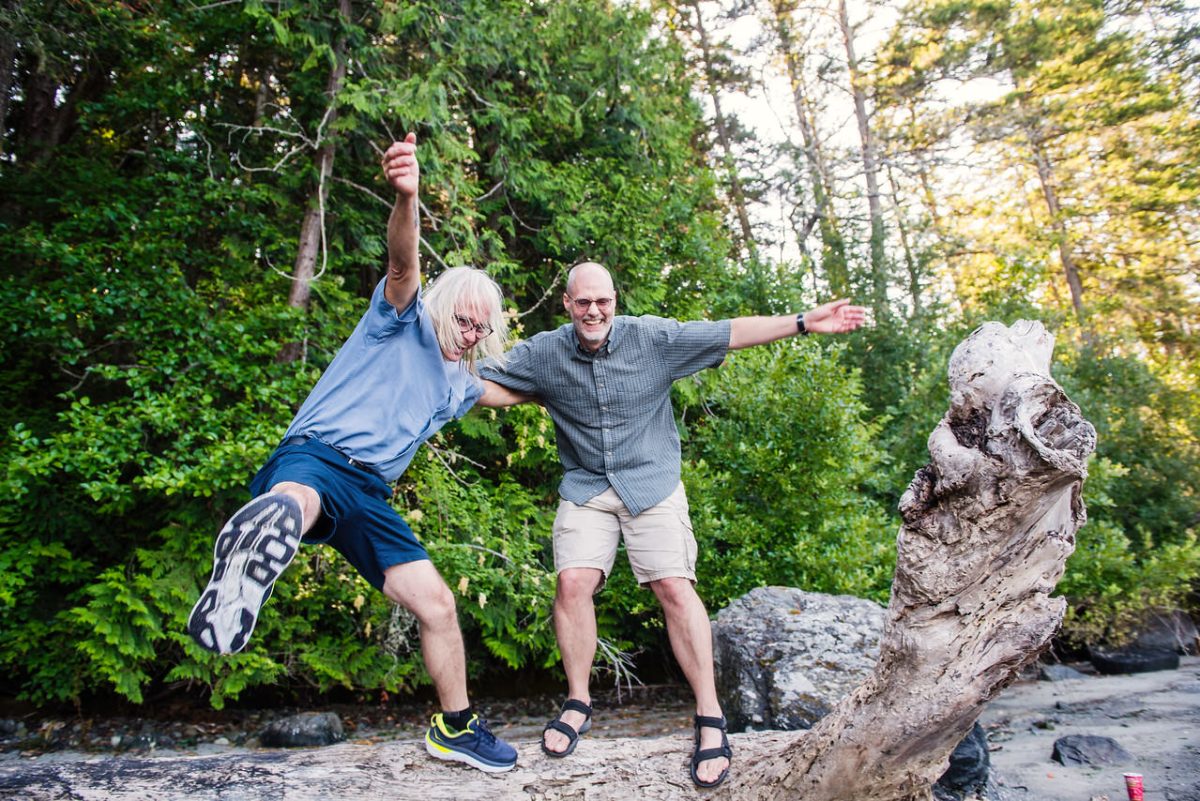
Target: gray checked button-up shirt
x=612 y=409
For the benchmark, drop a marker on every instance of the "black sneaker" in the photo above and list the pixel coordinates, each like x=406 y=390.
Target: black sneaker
x=257 y=543
x=475 y=745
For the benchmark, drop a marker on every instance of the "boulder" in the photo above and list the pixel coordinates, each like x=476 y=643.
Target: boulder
x=784 y=656
x=1077 y=750
x=967 y=775
x=304 y=729
x=1059 y=673
x=1131 y=659
x=1168 y=631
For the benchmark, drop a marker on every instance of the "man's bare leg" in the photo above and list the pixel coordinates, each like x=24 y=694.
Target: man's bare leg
x=691 y=641
x=575 y=626
x=419 y=588
x=307 y=497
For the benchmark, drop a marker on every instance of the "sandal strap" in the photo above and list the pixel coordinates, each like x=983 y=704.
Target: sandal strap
x=575 y=705
x=706 y=722
x=712 y=753
x=559 y=726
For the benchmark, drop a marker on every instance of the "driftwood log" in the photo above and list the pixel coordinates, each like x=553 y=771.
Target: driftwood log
x=987 y=528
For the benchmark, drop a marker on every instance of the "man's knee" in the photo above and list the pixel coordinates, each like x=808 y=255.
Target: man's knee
x=675 y=592
x=432 y=603
x=306 y=496
x=578 y=583
x=438 y=608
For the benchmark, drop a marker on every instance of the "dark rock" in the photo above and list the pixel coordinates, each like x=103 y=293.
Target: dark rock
x=1118 y=661
x=1089 y=749
x=138 y=742
x=784 y=657
x=304 y=729
x=968 y=771
x=1059 y=673
x=1168 y=631
x=8 y=727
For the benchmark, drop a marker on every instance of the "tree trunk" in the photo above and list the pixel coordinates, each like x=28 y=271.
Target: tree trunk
x=833 y=248
x=728 y=161
x=879 y=276
x=8 y=69
x=312 y=228
x=910 y=260
x=1066 y=256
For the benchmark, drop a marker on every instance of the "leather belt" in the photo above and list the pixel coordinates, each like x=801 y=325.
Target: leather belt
x=350 y=460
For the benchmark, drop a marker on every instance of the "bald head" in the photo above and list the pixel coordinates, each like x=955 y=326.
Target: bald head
x=594 y=273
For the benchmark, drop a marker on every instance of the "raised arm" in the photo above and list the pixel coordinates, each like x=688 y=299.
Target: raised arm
x=836 y=317
x=403 y=232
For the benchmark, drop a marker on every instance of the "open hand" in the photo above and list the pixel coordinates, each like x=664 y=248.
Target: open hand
x=835 y=317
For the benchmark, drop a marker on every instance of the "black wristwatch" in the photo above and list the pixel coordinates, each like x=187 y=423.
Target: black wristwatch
x=800 y=324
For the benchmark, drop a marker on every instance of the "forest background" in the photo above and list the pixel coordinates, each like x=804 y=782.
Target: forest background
x=192 y=215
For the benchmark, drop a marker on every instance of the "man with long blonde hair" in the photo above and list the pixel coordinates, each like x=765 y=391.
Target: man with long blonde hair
x=407 y=370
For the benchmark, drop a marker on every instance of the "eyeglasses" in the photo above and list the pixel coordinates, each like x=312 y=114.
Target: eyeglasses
x=465 y=324
x=583 y=304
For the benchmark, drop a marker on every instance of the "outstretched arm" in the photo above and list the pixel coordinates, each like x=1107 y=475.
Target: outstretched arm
x=497 y=395
x=836 y=317
x=403 y=233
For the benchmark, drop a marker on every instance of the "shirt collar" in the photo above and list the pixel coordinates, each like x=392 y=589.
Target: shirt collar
x=610 y=344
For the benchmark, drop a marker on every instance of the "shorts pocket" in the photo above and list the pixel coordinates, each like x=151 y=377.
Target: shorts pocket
x=689 y=541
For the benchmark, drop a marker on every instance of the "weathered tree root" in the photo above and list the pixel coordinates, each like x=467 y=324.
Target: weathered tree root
x=988 y=527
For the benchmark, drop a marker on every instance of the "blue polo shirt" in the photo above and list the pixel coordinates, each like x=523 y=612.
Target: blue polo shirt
x=388 y=389
x=612 y=409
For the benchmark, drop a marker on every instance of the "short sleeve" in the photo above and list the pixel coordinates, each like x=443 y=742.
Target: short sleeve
x=382 y=319
x=471 y=394
x=518 y=372
x=692 y=346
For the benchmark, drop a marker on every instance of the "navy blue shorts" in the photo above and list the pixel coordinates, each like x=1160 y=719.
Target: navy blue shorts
x=356 y=518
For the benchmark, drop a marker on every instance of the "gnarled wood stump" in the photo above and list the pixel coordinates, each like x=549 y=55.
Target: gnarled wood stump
x=988 y=526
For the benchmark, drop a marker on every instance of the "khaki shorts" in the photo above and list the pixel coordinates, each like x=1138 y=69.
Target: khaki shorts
x=659 y=541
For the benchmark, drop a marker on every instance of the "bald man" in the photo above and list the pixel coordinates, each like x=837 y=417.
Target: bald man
x=606 y=381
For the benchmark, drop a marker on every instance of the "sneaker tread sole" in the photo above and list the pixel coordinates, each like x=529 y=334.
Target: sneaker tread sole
x=253 y=549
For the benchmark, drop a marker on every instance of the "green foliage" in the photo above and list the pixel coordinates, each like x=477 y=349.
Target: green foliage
x=1147 y=425
x=490 y=540
x=777 y=462
x=1113 y=583
x=154 y=172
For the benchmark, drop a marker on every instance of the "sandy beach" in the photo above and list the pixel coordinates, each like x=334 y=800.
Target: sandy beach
x=1154 y=716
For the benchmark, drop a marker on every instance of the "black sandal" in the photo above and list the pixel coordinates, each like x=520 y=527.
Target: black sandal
x=698 y=756
x=573 y=706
